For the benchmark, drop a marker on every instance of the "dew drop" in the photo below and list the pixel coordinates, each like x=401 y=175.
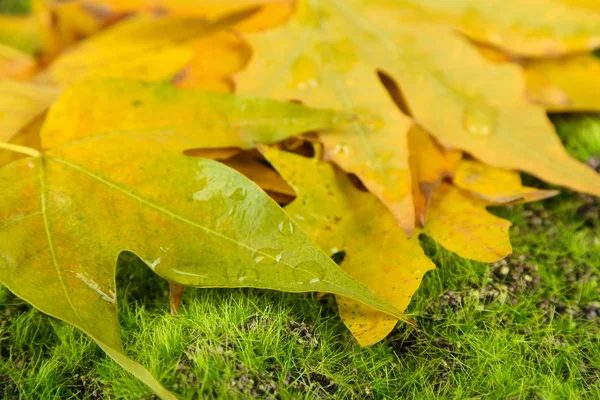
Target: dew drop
x=267 y=256
x=286 y=228
x=247 y=275
x=309 y=272
x=305 y=73
x=341 y=149
x=238 y=194
x=479 y=122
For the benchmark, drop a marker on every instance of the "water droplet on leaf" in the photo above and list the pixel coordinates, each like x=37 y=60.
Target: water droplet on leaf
x=309 y=272
x=247 y=275
x=286 y=228
x=479 y=122
x=238 y=194
x=267 y=256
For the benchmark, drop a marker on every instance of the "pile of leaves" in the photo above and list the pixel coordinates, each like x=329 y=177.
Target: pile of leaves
x=355 y=126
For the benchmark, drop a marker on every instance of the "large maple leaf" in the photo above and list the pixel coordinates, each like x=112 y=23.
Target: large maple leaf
x=465 y=101
x=340 y=218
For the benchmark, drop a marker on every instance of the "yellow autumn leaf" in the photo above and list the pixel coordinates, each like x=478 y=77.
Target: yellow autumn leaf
x=62 y=24
x=430 y=164
x=496 y=185
x=461 y=224
x=215 y=58
x=466 y=102
x=265 y=13
x=535 y=28
x=340 y=218
x=333 y=63
x=140 y=47
x=565 y=84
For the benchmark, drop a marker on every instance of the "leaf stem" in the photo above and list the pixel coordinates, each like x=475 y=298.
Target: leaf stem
x=20 y=149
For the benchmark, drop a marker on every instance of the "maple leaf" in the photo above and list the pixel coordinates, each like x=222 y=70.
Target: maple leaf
x=339 y=218
x=466 y=102
x=68 y=212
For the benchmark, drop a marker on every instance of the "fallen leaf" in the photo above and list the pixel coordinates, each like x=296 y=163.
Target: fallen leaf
x=67 y=212
x=430 y=164
x=566 y=84
x=340 y=218
x=559 y=85
x=215 y=58
x=334 y=61
x=140 y=47
x=538 y=28
x=461 y=224
x=269 y=12
x=466 y=102
x=62 y=24
x=496 y=185
x=99 y=107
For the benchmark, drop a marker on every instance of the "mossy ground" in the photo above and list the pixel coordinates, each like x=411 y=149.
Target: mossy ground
x=527 y=327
